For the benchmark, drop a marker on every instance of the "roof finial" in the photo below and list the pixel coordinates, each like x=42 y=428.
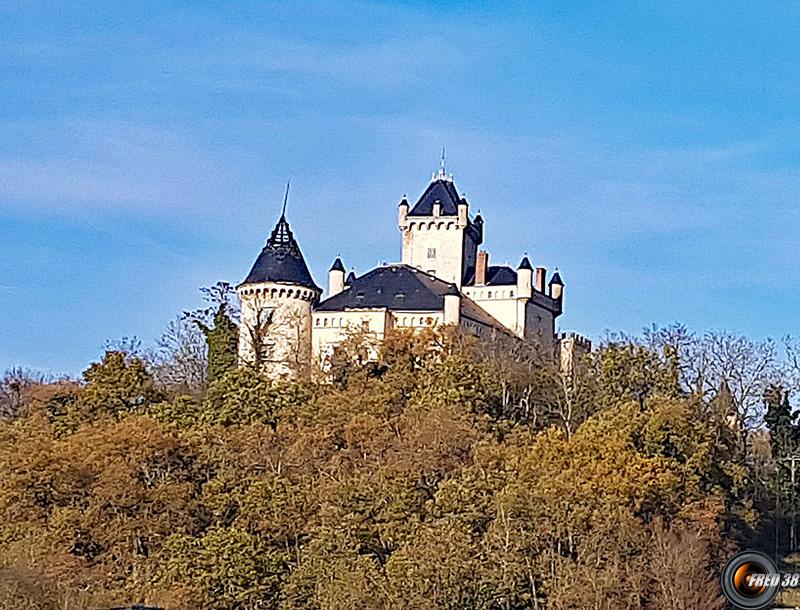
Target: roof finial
x=442 y=172
x=285 y=198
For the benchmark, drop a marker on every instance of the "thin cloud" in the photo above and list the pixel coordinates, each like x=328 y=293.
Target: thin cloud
x=110 y=165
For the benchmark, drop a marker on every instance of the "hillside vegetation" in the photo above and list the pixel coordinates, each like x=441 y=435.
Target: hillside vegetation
x=446 y=475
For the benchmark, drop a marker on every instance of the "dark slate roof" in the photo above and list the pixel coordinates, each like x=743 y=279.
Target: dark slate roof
x=395 y=287
x=338 y=265
x=500 y=276
x=350 y=278
x=281 y=260
x=556 y=279
x=525 y=264
x=439 y=190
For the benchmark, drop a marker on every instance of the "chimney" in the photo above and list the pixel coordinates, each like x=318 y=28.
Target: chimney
x=541 y=272
x=481 y=264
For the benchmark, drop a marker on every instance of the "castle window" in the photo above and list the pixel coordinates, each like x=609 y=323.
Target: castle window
x=431 y=252
x=341 y=321
x=490 y=294
x=318 y=321
x=511 y=294
x=365 y=325
x=325 y=322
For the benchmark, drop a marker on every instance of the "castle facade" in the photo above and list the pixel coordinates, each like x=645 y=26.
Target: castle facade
x=443 y=277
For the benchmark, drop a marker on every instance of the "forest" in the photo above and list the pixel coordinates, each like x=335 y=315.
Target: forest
x=446 y=473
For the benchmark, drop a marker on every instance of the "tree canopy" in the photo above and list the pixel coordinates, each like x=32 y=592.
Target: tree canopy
x=445 y=474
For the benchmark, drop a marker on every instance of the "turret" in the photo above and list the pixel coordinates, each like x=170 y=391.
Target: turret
x=452 y=307
x=402 y=212
x=477 y=226
x=336 y=278
x=463 y=213
x=277 y=298
x=524 y=278
x=556 y=287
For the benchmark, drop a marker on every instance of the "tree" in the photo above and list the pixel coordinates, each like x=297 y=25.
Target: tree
x=117 y=386
x=179 y=362
x=784 y=432
x=748 y=367
x=15 y=384
x=218 y=323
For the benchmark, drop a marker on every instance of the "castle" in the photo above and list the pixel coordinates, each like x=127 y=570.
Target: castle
x=287 y=329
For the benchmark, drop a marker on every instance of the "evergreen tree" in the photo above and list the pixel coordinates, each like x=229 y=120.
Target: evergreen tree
x=782 y=425
x=222 y=342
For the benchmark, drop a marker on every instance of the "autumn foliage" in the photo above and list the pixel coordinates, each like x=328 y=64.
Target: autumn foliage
x=441 y=476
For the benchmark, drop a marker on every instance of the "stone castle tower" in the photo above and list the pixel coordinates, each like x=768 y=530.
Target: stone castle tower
x=277 y=299
x=438 y=235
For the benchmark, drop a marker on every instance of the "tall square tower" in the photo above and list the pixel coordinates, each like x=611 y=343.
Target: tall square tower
x=438 y=235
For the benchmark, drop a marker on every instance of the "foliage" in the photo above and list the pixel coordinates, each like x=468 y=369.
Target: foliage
x=438 y=473
x=117 y=386
x=222 y=340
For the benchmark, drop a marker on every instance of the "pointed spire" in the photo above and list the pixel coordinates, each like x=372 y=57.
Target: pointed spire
x=442 y=173
x=338 y=265
x=556 y=279
x=285 y=198
x=525 y=263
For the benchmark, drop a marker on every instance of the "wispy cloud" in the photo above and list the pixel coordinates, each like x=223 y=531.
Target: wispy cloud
x=110 y=165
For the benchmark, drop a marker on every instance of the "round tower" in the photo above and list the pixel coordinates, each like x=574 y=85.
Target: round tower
x=277 y=299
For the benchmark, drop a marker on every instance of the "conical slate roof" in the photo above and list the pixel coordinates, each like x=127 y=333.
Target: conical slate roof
x=281 y=260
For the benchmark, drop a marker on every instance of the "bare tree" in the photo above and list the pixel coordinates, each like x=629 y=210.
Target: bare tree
x=256 y=328
x=570 y=399
x=130 y=346
x=14 y=384
x=180 y=358
x=713 y=360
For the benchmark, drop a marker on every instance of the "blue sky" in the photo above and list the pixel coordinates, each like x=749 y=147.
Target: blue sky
x=650 y=150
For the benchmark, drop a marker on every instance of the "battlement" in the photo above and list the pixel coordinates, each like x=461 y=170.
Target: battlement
x=578 y=340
